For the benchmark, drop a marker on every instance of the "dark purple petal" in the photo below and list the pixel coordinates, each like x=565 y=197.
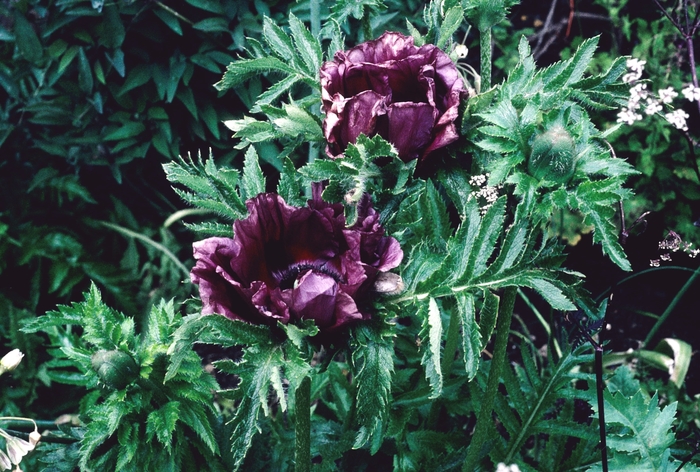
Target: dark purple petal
x=261 y=234
x=287 y=263
x=314 y=298
x=346 y=311
x=410 y=127
x=219 y=288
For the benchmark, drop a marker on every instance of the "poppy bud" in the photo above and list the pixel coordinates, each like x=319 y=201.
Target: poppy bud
x=116 y=369
x=552 y=156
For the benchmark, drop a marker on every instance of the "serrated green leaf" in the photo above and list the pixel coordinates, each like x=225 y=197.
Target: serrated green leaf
x=548 y=290
x=574 y=67
x=244 y=69
x=308 y=46
x=373 y=363
x=450 y=23
x=595 y=201
x=489 y=230
x=431 y=334
x=212 y=329
x=487 y=317
x=289 y=186
x=253 y=180
x=471 y=336
x=434 y=216
x=279 y=42
x=195 y=416
x=256 y=384
x=640 y=433
x=275 y=91
x=161 y=423
x=214 y=189
x=299 y=123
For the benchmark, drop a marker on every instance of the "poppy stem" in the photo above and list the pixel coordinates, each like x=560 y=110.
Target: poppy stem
x=302 y=428
x=485 y=68
x=478 y=446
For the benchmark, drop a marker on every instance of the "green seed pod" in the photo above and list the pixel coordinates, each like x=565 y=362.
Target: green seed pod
x=553 y=156
x=115 y=368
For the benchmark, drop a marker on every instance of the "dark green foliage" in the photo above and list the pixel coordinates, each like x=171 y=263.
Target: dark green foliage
x=542 y=399
x=95 y=84
x=554 y=99
x=141 y=422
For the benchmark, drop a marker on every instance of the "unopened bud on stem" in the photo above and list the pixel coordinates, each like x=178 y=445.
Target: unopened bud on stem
x=116 y=369
x=10 y=361
x=553 y=157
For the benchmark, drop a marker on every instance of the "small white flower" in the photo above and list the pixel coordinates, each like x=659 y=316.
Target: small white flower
x=628 y=116
x=631 y=77
x=461 y=50
x=678 y=119
x=34 y=438
x=635 y=64
x=667 y=95
x=638 y=93
x=653 y=106
x=691 y=93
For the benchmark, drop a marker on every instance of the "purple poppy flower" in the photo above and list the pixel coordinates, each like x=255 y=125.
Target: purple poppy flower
x=286 y=263
x=408 y=95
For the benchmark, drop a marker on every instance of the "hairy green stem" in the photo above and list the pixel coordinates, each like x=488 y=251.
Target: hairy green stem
x=671 y=306
x=485 y=47
x=302 y=426
x=366 y=23
x=484 y=421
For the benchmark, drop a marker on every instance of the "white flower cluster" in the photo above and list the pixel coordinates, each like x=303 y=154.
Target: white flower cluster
x=641 y=99
x=484 y=193
x=673 y=243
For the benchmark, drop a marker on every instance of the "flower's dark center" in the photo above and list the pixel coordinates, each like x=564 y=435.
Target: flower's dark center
x=292 y=273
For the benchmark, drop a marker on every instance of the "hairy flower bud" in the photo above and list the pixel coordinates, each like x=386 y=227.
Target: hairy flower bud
x=553 y=156
x=116 y=369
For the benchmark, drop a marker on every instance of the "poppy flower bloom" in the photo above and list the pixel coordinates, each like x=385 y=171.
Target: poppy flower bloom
x=287 y=263
x=408 y=95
